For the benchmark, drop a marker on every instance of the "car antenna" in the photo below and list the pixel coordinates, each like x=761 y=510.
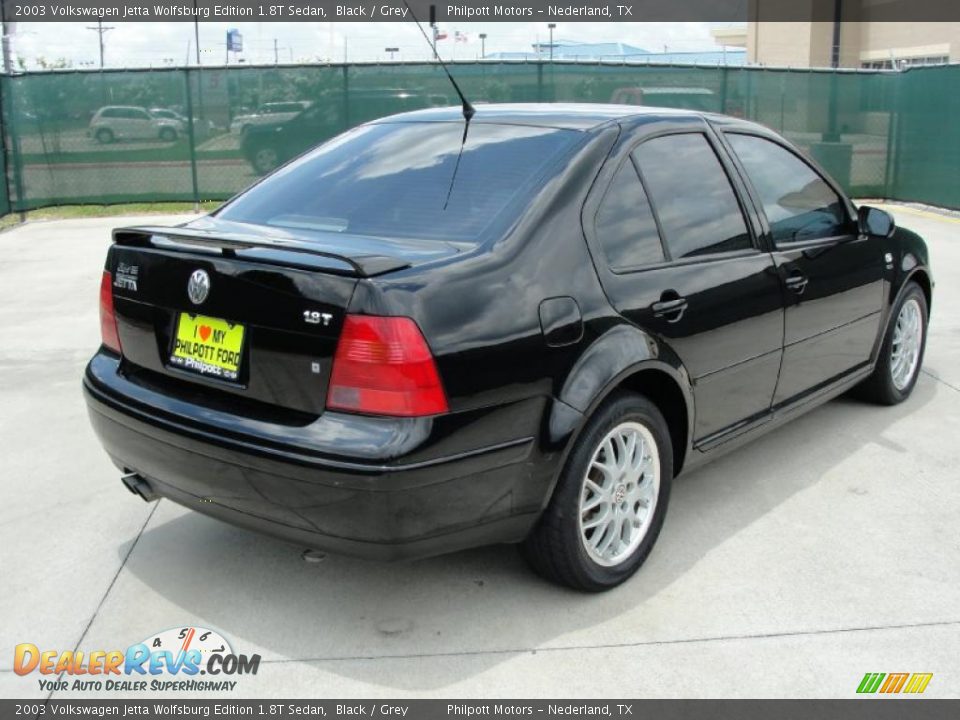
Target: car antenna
x=468 y=109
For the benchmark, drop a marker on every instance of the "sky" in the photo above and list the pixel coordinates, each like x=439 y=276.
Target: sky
x=157 y=44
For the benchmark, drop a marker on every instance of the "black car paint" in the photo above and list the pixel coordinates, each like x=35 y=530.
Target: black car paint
x=547 y=334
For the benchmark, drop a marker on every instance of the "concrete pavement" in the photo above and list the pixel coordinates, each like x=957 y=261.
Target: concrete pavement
x=827 y=549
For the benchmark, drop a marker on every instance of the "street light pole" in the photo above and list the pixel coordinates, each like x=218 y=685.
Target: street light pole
x=391 y=50
x=483 y=46
x=552 y=26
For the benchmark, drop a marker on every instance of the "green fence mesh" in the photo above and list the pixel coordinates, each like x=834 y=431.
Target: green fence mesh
x=205 y=133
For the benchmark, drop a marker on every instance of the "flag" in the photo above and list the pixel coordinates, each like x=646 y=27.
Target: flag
x=460 y=37
x=441 y=35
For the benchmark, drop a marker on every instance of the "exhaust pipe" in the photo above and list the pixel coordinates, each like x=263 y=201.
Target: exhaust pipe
x=139 y=486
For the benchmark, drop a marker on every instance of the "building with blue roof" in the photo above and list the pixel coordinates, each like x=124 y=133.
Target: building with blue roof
x=568 y=50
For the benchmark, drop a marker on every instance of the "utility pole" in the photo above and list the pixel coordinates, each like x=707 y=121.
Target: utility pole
x=552 y=27
x=100 y=31
x=196 y=31
x=276 y=53
x=196 y=42
x=483 y=45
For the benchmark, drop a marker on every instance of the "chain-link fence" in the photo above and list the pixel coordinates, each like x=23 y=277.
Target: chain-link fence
x=205 y=133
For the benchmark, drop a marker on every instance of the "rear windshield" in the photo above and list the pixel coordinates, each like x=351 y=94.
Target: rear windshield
x=396 y=180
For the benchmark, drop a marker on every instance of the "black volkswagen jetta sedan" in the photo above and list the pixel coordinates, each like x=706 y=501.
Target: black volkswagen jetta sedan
x=426 y=335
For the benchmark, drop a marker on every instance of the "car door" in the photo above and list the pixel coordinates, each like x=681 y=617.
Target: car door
x=831 y=273
x=116 y=121
x=678 y=256
x=125 y=122
x=141 y=124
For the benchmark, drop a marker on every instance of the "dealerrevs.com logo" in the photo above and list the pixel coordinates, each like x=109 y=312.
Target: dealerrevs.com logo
x=170 y=661
x=894 y=683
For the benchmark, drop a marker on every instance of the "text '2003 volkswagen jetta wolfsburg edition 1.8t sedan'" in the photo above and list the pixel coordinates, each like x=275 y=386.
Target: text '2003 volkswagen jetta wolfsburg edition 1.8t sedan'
x=429 y=334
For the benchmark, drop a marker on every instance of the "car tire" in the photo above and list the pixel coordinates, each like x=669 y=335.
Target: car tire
x=901 y=354
x=583 y=539
x=104 y=136
x=168 y=134
x=265 y=159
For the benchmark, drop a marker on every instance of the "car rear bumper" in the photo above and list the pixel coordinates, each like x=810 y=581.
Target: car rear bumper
x=409 y=506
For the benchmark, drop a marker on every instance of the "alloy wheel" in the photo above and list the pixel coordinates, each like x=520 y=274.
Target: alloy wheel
x=619 y=494
x=906 y=344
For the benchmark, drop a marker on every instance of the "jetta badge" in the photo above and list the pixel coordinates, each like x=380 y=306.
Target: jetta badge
x=199 y=287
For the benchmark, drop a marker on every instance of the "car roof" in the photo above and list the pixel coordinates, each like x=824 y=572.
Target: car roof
x=571 y=116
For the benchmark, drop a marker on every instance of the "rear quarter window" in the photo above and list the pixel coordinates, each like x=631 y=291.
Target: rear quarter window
x=625 y=226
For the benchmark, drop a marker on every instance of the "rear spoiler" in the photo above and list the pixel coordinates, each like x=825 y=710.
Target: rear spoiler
x=258 y=247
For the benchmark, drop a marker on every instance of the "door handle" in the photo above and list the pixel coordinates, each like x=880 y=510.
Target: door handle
x=797 y=283
x=675 y=307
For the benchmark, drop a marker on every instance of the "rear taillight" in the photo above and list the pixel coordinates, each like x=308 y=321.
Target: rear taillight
x=383 y=366
x=108 y=318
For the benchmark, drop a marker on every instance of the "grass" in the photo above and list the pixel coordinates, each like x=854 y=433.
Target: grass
x=69 y=212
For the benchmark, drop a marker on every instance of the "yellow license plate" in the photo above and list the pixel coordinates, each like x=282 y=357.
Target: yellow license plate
x=207 y=345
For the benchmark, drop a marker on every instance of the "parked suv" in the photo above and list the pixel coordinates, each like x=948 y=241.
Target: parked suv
x=126 y=122
x=429 y=334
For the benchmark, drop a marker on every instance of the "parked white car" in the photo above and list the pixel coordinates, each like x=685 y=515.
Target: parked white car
x=268 y=113
x=128 y=122
x=201 y=127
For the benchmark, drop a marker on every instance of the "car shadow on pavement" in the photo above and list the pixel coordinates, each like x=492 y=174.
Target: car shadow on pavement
x=485 y=605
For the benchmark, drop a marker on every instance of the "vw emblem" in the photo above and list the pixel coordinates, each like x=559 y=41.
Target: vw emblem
x=199 y=286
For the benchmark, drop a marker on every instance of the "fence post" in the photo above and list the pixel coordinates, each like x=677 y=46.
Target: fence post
x=723 y=89
x=893 y=145
x=192 y=140
x=539 y=81
x=9 y=112
x=4 y=79
x=346 y=98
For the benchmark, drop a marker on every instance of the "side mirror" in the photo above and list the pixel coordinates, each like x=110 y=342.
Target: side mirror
x=874 y=221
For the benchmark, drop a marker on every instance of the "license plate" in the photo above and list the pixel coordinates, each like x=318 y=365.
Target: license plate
x=208 y=346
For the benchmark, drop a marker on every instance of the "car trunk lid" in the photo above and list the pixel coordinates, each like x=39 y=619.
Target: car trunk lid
x=267 y=324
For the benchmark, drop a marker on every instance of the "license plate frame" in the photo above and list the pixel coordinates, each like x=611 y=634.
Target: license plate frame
x=207 y=346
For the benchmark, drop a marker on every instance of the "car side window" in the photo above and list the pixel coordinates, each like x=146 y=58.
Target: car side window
x=799 y=204
x=692 y=196
x=625 y=225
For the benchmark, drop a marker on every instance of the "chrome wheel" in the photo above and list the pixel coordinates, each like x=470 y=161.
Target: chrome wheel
x=619 y=494
x=906 y=344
